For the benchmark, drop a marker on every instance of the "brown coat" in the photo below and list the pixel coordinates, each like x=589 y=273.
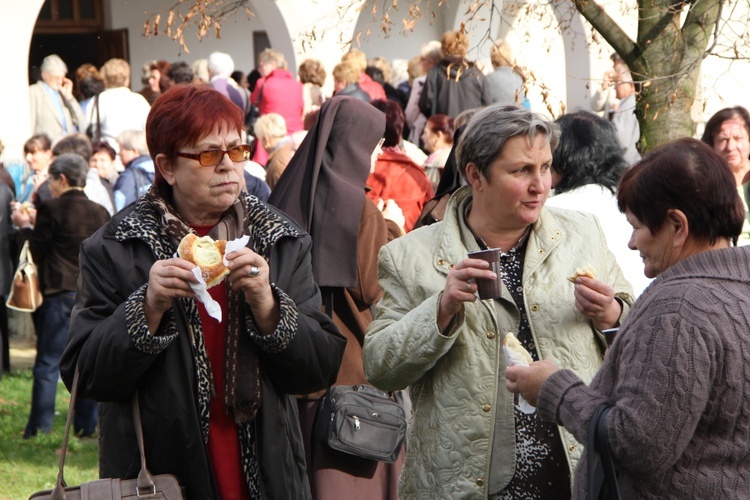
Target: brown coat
x=277 y=162
x=333 y=474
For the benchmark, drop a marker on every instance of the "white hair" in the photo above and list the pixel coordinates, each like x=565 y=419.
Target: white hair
x=53 y=63
x=134 y=140
x=432 y=51
x=220 y=64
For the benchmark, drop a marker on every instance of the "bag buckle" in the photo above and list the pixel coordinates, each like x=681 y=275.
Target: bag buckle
x=151 y=494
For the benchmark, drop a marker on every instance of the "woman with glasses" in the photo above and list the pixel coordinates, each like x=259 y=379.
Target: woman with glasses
x=215 y=396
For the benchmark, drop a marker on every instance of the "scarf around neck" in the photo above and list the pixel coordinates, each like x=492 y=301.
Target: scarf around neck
x=242 y=387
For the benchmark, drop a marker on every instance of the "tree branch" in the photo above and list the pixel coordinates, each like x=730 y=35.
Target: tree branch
x=608 y=29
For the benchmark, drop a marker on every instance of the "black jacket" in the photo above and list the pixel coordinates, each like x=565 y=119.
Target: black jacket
x=354 y=90
x=108 y=343
x=452 y=86
x=62 y=224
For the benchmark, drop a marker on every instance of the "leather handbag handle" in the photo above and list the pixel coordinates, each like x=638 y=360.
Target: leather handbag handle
x=25 y=255
x=58 y=492
x=145 y=484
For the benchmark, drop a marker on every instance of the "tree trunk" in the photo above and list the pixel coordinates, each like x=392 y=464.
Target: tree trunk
x=665 y=59
x=663 y=109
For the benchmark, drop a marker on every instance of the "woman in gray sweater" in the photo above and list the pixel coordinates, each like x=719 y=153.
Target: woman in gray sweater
x=676 y=375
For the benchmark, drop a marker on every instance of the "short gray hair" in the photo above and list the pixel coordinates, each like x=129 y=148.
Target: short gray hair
x=220 y=64
x=134 y=140
x=53 y=62
x=488 y=131
x=73 y=166
x=274 y=57
x=432 y=51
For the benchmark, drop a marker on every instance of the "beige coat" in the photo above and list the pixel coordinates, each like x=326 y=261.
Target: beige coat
x=44 y=117
x=457 y=383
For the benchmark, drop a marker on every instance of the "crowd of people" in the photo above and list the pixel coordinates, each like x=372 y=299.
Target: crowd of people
x=366 y=211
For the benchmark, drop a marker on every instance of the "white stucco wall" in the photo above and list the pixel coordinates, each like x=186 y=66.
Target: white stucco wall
x=15 y=38
x=236 y=36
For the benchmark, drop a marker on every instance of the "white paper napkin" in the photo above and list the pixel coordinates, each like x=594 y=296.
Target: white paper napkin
x=515 y=359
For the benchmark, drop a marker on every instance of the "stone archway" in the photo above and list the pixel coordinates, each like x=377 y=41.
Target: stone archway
x=15 y=39
x=277 y=28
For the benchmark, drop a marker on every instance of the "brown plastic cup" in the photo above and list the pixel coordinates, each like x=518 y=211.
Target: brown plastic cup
x=489 y=289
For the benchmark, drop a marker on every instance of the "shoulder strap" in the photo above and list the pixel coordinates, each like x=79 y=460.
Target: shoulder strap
x=601 y=467
x=260 y=93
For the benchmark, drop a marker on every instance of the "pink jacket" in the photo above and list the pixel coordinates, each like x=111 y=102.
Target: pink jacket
x=282 y=94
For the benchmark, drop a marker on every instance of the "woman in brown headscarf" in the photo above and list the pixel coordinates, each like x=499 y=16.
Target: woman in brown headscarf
x=323 y=190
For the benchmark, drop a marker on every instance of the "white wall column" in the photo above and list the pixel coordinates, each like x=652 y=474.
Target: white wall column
x=15 y=127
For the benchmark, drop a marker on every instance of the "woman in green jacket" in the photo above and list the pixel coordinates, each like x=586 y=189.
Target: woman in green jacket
x=469 y=438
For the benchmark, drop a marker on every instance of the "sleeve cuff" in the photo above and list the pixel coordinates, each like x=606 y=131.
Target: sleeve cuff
x=455 y=322
x=553 y=392
x=285 y=330
x=138 y=329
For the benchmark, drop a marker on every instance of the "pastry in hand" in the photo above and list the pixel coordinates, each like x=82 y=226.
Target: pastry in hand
x=207 y=254
x=586 y=272
x=514 y=345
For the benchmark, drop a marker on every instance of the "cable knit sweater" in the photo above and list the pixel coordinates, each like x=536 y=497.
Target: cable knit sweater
x=679 y=381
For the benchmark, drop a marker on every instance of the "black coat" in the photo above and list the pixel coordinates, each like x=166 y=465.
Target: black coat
x=62 y=224
x=106 y=341
x=452 y=86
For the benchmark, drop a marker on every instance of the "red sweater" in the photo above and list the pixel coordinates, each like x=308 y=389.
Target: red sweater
x=223 y=439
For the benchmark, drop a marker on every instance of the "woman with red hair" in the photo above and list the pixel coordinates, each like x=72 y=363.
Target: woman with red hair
x=215 y=395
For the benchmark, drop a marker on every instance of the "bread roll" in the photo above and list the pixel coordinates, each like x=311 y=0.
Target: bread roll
x=586 y=272
x=207 y=254
x=514 y=345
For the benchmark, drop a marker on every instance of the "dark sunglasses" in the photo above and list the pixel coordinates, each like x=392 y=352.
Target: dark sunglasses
x=212 y=157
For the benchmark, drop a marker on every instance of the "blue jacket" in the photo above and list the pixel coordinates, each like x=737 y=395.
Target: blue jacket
x=133 y=181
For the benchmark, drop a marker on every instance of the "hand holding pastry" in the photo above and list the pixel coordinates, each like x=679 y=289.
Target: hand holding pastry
x=167 y=280
x=595 y=299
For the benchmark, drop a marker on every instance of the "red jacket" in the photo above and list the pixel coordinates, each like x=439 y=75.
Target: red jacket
x=398 y=178
x=371 y=87
x=282 y=94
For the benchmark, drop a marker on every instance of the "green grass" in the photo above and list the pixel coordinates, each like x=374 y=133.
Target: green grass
x=29 y=465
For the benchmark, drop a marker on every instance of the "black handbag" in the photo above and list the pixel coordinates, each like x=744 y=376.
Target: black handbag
x=253 y=112
x=94 y=130
x=601 y=466
x=145 y=486
x=361 y=420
